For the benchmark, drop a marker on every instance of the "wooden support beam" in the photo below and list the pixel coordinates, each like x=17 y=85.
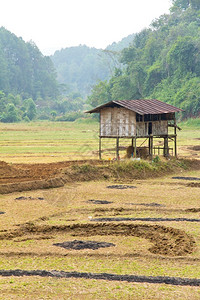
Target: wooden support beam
x=166 y=147
x=175 y=138
x=99 y=147
x=132 y=142
x=151 y=147
x=135 y=147
x=117 y=148
x=175 y=147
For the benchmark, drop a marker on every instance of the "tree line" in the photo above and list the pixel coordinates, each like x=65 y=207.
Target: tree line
x=163 y=62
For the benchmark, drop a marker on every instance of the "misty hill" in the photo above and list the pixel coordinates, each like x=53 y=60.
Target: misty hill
x=24 y=70
x=124 y=43
x=163 y=62
x=79 y=68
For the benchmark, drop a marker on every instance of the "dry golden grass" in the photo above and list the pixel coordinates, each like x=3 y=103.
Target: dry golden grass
x=69 y=205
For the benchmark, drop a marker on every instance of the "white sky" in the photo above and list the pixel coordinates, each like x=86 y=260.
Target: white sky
x=56 y=24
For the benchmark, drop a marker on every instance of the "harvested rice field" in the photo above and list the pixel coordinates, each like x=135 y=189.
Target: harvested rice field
x=89 y=229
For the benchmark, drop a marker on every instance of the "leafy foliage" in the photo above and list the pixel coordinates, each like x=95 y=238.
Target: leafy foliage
x=24 y=70
x=163 y=62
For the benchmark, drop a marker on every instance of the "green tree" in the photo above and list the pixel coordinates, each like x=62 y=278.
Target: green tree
x=11 y=114
x=29 y=109
x=100 y=94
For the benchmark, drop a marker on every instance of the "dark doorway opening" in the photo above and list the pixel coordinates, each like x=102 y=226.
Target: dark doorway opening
x=150 y=128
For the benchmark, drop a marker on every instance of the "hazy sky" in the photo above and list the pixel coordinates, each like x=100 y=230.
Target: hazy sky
x=56 y=24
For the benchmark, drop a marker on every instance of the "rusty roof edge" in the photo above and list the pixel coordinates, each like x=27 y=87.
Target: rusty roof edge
x=167 y=108
x=96 y=109
x=119 y=102
x=141 y=107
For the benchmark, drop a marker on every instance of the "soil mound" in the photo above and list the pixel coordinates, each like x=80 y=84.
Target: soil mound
x=165 y=240
x=193 y=210
x=8 y=171
x=195 y=148
x=32 y=185
x=194 y=184
x=25 y=177
x=79 y=245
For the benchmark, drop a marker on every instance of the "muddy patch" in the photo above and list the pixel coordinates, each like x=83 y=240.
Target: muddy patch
x=146 y=219
x=186 y=178
x=99 y=201
x=153 y=204
x=79 y=245
x=104 y=276
x=121 y=186
x=29 y=198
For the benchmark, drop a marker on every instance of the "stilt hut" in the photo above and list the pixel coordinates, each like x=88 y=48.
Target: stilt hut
x=134 y=119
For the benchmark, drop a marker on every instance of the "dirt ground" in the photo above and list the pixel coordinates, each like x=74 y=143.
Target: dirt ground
x=25 y=177
x=61 y=204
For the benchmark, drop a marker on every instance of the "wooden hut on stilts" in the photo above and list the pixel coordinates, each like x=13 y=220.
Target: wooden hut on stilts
x=136 y=119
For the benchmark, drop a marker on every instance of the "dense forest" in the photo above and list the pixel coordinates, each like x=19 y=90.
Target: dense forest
x=26 y=76
x=30 y=87
x=163 y=62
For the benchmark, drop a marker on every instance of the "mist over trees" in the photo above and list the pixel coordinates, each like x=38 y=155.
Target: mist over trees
x=31 y=87
x=163 y=62
x=79 y=68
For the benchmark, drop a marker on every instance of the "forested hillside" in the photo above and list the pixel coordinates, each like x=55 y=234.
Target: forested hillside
x=23 y=68
x=26 y=76
x=79 y=68
x=163 y=62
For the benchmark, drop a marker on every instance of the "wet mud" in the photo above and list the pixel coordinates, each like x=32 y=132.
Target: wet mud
x=79 y=245
x=186 y=178
x=100 y=201
x=103 y=276
x=146 y=219
x=121 y=187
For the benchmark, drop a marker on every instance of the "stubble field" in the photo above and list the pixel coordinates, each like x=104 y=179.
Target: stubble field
x=150 y=224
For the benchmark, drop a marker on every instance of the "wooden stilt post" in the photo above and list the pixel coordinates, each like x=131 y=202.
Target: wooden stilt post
x=117 y=148
x=175 y=141
x=132 y=142
x=166 y=148
x=151 y=147
x=99 y=147
x=135 y=148
x=175 y=147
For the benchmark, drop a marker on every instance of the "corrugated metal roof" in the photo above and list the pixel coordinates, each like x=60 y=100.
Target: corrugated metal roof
x=142 y=107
